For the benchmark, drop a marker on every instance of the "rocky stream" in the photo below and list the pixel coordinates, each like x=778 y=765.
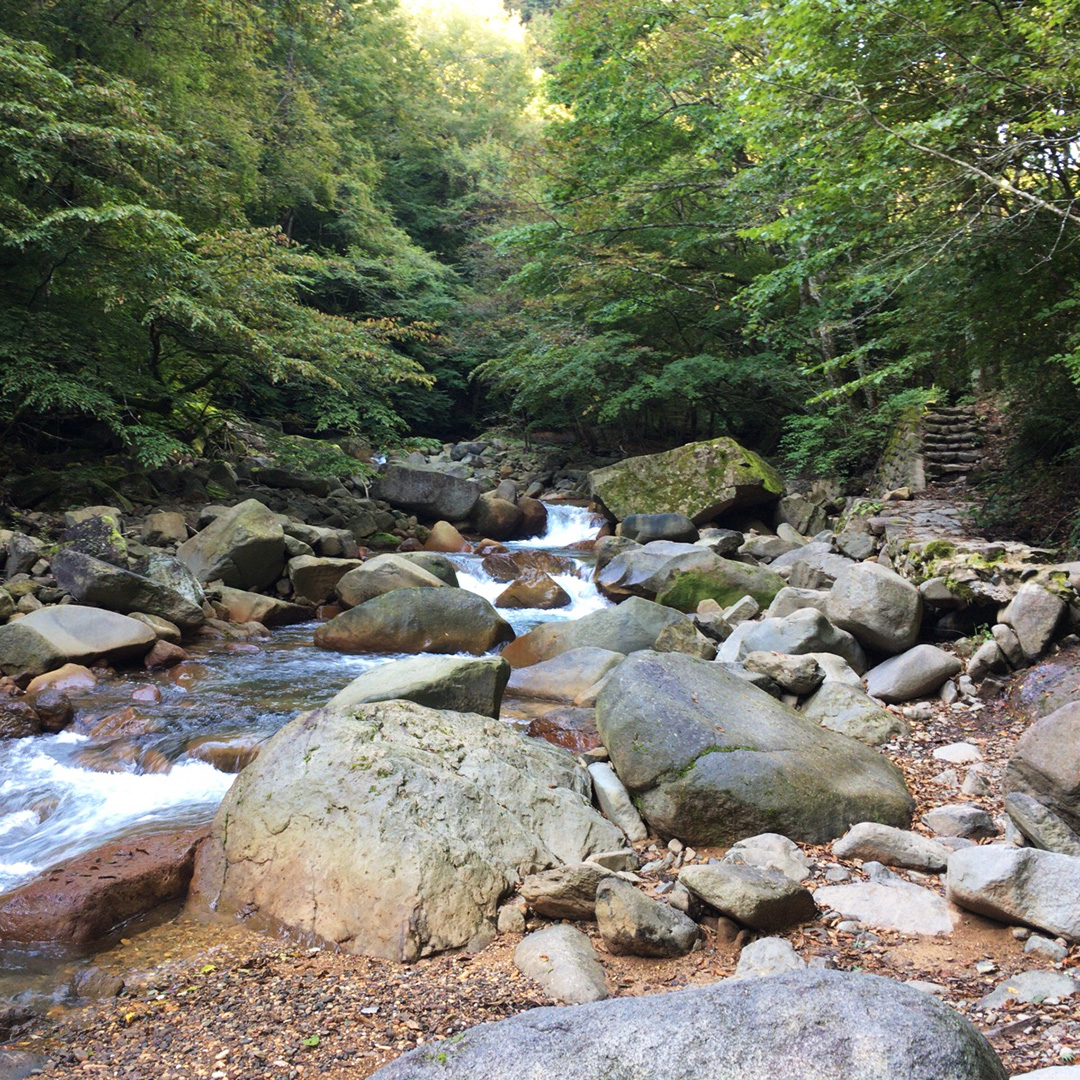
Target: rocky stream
x=811 y=763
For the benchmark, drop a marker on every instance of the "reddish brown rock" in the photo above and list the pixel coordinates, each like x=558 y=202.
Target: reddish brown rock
x=147 y=694
x=70 y=677
x=495 y=518
x=535 y=591
x=164 y=655
x=242 y=647
x=17 y=718
x=534 y=517
x=516 y=564
x=568 y=727
x=84 y=899
x=325 y=612
x=226 y=755
x=490 y=547
x=126 y=724
x=410 y=543
x=54 y=709
x=444 y=537
x=185 y=675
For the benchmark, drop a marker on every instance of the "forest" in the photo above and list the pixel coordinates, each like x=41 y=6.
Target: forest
x=640 y=222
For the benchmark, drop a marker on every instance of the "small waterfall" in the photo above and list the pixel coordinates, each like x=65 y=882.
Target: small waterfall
x=566 y=525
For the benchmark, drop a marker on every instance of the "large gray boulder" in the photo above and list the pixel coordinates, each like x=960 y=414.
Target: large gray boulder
x=804 y=631
x=877 y=606
x=564 y=677
x=851 y=712
x=445 y=682
x=428 y=492
x=917 y=673
x=635 y=624
x=726 y=581
x=873 y=842
x=890 y=905
x=1034 y=613
x=644 y=570
x=395 y=830
x=700 y=480
x=315 y=578
x=244 y=547
x=384 y=574
x=1018 y=885
x=803 y=1025
x=1046 y=764
x=53 y=636
x=97 y=583
x=710 y=758
x=417 y=620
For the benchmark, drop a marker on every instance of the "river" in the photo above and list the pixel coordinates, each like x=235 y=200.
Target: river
x=62 y=795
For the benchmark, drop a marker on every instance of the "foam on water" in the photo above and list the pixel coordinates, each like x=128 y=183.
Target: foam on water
x=51 y=810
x=566 y=525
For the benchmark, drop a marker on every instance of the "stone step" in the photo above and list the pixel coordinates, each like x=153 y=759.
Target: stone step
x=951 y=459
x=946 y=424
x=950 y=440
x=951 y=411
x=944 y=470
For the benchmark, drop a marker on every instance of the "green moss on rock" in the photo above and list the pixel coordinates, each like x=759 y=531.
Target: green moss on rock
x=687 y=588
x=700 y=480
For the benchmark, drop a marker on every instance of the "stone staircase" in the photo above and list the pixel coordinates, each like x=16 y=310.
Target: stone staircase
x=950 y=443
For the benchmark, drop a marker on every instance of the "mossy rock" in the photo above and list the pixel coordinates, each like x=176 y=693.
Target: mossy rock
x=700 y=480
x=729 y=583
x=382 y=540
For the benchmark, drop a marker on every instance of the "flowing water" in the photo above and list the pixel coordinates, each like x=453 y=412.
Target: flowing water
x=62 y=795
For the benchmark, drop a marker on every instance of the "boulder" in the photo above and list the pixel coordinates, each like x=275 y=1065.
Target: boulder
x=1034 y=613
x=1013 y=884
x=917 y=673
x=699 y=480
x=685 y=637
x=815 y=566
x=803 y=1025
x=877 y=606
x=164 y=529
x=642 y=570
x=53 y=636
x=395 y=830
x=635 y=624
x=244 y=607
x=794 y=674
x=564 y=892
x=509 y=565
x=97 y=583
x=895 y=905
x=445 y=537
x=564 y=677
x=644 y=528
x=1046 y=764
x=83 y=899
x=766 y=956
x=496 y=518
x=802 y=632
x=426 y=491
x=1041 y=827
x=18 y=720
x=534 y=518
x=633 y=924
x=439 y=620
x=384 y=574
x=770 y=851
x=434 y=562
x=315 y=578
x=710 y=758
x=451 y=682
x=564 y=964
x=965 y=820
x=788 y=600
x=847 y=710
x=99 y=534
x=760 y=898
x=725 y=582
x=538 y=592
x=872 y=842
x=244 y=547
